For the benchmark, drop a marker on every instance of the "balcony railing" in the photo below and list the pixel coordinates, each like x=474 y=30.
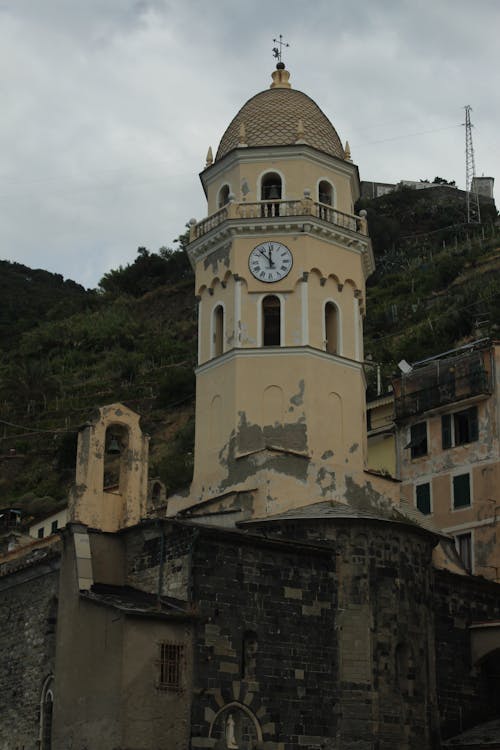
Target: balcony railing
x=276 y=209
x=450 y=390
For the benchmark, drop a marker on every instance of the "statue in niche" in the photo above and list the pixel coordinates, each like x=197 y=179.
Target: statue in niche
x=230 y=737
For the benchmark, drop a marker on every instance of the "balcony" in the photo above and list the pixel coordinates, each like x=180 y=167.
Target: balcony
x=278 y=209
x=442 y=382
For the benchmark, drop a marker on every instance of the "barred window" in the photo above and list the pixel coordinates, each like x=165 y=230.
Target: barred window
x=170 y=666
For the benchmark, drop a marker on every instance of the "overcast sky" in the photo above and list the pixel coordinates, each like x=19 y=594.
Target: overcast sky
x=108 y=106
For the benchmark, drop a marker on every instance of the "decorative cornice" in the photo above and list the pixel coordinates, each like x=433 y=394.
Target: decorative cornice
x=224 y=234
x=278 y=351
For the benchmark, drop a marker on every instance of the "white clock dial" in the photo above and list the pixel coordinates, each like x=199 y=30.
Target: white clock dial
x=270 y=261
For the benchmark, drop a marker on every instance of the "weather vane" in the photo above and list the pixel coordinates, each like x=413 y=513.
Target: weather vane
x=277 y=52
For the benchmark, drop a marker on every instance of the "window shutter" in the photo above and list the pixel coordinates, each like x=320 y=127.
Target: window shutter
x=461 y=491
x=446 y=430
x=423 y=496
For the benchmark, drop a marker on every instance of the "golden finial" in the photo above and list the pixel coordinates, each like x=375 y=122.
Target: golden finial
x=347 y=151
x=210 y=157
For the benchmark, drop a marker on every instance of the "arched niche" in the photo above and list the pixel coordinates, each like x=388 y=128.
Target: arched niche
x=272 y=405
x=235 y=726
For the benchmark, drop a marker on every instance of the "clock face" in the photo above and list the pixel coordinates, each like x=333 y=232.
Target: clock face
x=270 y=261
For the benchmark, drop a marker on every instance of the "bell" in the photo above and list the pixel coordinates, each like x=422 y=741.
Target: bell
x=274 y=192
x=113 y=446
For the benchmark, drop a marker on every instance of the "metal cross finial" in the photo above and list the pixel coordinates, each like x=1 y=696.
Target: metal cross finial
x=278 y=52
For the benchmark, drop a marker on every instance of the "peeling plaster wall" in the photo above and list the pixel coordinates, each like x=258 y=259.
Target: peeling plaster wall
x=316 y=426
x=481 y=460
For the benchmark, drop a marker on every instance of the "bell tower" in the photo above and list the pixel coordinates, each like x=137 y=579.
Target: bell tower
x=281 y=262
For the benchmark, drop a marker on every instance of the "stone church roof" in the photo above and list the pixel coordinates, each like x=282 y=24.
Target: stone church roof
x=281 y=117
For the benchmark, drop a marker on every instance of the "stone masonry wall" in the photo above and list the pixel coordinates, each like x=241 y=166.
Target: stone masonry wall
x=28 y=615
x=159 y=557
x=265 y=649
x=464 y=699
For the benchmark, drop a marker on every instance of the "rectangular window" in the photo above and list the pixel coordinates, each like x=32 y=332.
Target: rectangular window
x=459 y=428
x=423 y=497
x=463 y=543
x=53 y=527
x=418 y=440
x=170 y=666
x=41 y=532
x=461 y=490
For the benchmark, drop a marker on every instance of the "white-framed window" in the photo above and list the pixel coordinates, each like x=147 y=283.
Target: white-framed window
x=332 y=327
x=423 y=497
x=459 y=428
x=218 y=330
x=418 y=444
x=464 y=545
x=271 y=320
x=461 y=490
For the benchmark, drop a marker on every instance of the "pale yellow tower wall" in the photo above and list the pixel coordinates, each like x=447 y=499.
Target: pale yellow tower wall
x=300 y=401
x=302 y=171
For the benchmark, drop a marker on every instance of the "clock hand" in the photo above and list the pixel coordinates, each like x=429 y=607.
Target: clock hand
x=270 y=257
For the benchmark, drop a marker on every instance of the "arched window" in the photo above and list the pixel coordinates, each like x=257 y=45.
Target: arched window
x=325 y=193
x=270 y=190
x=223 y=198
x=271 y=321
x=331 y=328
x=46 y=710
x=218 y=331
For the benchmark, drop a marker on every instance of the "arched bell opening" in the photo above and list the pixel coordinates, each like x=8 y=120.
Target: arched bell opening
x=325 y=199
x=271 y=191
x=116 y=445
x=223 y=197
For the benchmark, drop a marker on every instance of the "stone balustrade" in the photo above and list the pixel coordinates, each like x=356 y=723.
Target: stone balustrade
x=278 y=209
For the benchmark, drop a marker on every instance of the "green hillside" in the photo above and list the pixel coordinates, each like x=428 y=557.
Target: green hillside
x=66 y=350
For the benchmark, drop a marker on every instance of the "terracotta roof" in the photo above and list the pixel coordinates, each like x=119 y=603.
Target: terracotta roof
x=271 y=118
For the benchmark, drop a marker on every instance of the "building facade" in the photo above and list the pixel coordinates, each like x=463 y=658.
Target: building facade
x=288 y=600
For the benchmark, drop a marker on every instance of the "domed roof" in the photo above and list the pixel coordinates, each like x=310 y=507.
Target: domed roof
x=281 y=116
